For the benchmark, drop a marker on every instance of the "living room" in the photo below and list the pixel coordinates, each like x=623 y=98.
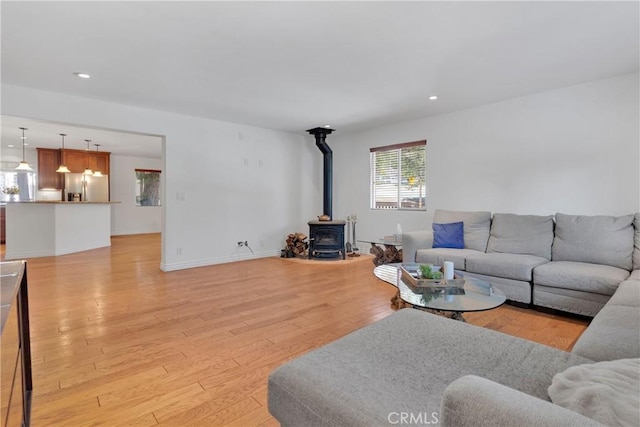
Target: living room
x=549 y=121
x=588 y=131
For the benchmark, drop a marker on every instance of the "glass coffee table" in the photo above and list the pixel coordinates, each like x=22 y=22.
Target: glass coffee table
x=472 y=295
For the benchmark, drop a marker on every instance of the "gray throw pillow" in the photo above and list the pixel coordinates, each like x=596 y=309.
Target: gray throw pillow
x=521 y=234
x=606 y=240
x=476 y=226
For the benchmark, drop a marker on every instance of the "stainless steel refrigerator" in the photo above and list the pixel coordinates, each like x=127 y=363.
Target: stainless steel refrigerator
x=91 y=188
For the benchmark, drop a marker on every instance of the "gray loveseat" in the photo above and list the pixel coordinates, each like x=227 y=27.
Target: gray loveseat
x=573 y=264
x=416 y=368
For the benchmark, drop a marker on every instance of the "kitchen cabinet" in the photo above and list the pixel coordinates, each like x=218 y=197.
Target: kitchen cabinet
x=99 y=161
x=15 y=375
x=3 y=227
x=78 y=160
x=48 y=162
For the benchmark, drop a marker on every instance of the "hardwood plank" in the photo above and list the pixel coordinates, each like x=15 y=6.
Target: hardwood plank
x=116 y=341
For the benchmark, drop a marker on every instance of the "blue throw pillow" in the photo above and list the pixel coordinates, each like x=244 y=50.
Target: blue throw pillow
x=449 y=235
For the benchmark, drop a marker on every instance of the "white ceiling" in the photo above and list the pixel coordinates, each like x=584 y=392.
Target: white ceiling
x=41 y=134
x=296 y=65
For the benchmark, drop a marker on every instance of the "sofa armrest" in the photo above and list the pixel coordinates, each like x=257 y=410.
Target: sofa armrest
x=413 y=241
x=475 y=401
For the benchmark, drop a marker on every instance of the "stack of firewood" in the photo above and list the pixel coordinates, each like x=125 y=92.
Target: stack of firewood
x=297 y=245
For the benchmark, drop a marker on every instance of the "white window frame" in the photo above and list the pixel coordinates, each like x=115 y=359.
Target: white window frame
x=392 y=185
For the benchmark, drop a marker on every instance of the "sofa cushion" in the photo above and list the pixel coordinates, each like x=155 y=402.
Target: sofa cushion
x=628 y=294
x=605 y=391
x=636 y=248
x=612 y=334
x=514 y=290
x=510 y=266
x=476 y=226
x=438 y=256
x=606 y=240
x=521 y=234
x=569 y=300
x=580 y=276
x=449 y=235
x=472 y=401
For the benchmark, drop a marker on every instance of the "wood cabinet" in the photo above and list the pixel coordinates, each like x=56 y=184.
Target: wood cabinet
x=78 y=160
x=48 y=162
x=15 y=374
x=100 y=162
x=3 y=227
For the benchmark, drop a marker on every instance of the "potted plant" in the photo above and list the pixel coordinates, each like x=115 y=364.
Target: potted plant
x=13 y=192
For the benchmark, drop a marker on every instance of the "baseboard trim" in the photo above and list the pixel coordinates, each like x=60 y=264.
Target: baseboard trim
x=66 y=251
x=214 y=261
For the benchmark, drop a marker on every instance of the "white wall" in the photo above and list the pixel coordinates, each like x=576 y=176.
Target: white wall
x=14 y=154
x=126 y=217
x=239 y=182
x=574 y=150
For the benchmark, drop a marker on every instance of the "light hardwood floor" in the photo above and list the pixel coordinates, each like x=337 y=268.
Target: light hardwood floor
x=115 y=341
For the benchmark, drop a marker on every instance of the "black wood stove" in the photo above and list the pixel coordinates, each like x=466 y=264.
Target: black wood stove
x=326 y=238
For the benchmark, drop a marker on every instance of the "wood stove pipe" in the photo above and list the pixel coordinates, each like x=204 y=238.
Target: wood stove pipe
x=321 y=134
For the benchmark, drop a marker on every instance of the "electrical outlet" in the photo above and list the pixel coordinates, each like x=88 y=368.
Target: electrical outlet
x=241 y=244
x=246 y=243
x=178 y=251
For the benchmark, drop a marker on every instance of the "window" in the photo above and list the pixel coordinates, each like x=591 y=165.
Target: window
x=16 y=185
x=398 y=176
x=147 y=187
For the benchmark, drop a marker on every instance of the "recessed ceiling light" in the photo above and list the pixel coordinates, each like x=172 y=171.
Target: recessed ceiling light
x=10 y=145
x=327 y=126
x=82 y=75
x=433 y=97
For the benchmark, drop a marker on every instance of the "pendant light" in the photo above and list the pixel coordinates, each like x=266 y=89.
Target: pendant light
x=97 y=173
x=88 y=170
x=23 y=166
x=63 y=168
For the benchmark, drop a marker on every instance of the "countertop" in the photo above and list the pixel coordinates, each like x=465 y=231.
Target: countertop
x=11 y=277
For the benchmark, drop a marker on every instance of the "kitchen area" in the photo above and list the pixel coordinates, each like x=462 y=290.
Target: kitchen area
x=57 y=200
x=74 y=213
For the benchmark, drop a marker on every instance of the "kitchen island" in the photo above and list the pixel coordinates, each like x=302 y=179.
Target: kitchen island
x=37 y=229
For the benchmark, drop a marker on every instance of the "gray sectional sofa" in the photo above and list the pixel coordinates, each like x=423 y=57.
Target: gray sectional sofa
x=417 y=368
x=573 y=264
